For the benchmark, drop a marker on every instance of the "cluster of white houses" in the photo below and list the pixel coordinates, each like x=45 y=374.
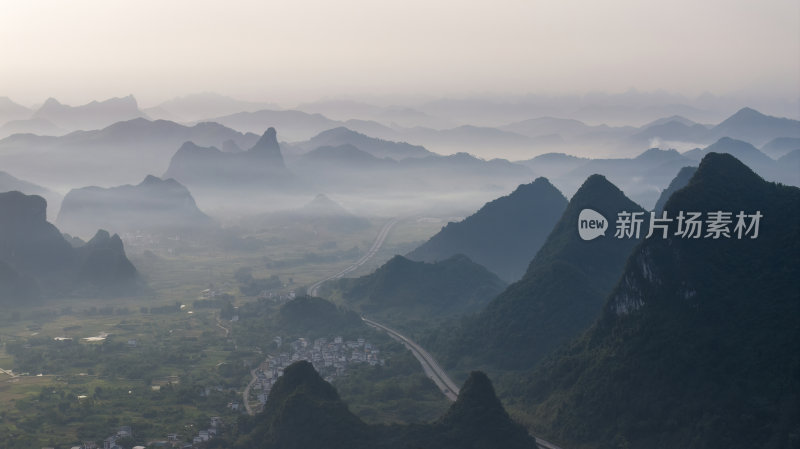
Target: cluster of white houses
x=329 y=357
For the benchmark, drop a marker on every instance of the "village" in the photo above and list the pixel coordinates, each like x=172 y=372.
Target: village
x=330 y=358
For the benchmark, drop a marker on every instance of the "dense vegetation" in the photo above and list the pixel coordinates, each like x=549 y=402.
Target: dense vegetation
x=304 y=411
x=708 y=358
x=397 y=391
x=156 y=373
x=413 y=295
x=305 y=316
x=504 y=234
x=559 y=296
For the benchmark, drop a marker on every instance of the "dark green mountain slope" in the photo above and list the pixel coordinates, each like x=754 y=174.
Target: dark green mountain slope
x=697 y=346
x=504 y=234
x=303 y=411
x=677 y=183
x=402 y=291
x=559 y=296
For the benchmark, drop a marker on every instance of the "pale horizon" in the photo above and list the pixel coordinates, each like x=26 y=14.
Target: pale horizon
x=398 y=52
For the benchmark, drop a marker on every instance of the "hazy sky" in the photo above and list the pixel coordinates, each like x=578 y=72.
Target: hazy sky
x=292 y=51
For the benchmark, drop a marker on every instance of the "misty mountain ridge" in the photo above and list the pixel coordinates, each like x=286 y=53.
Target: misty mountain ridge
x=504 y=234
x=11 y=111
x=399 y=116
x=93 y=115
x=762 y=164
x=348 y=169
x=154 y=205
x=406 y=293
x=35 y=251
x=9 y=183
x=124 y=152
x=642 y=177
x=558 y=297
x=209 y=172
x=294 y=125
x=202 y=106
x=754 y=127
x=322 y=216
x=323 y=206
x=682 y=356
x=377 y=147
x=747 y=124
x=781 y=146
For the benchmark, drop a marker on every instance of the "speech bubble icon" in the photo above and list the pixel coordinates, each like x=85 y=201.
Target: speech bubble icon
x=591 y=224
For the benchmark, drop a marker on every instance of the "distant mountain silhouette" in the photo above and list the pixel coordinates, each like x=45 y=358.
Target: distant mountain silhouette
x=557 y=298
x=504 y=234
x=403 y=292
x=294 y=125
x=696 y=345
x=762 y=164
x=752 y=126
x=548 y=125
x=641 y=178
x=679 y=182
x=153 y=205
x=94 y=115
x=209 y=172
x=364 y=112
x=320 y=216
x=202 y=106
x=10 y=110
x=303 y=411
x=675 y=129
x=348 y=169
x=124 y=152
x=464 y=138
x=552 y=134
x=777 y=148
x=39 y=126
x=377 y=147
x=554 y=165
x=323 y=206
x=345 y=155
x=743 y=151
x=33 y=250
x=671 y=119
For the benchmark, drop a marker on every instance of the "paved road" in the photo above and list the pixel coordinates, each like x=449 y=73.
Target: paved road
x=376 y=245
x=246 y=392
x=434 y=371
x=429 y=364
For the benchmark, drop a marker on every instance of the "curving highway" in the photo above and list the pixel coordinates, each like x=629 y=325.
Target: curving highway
x=429 y=364
x=434 y=371
x=376 y=245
